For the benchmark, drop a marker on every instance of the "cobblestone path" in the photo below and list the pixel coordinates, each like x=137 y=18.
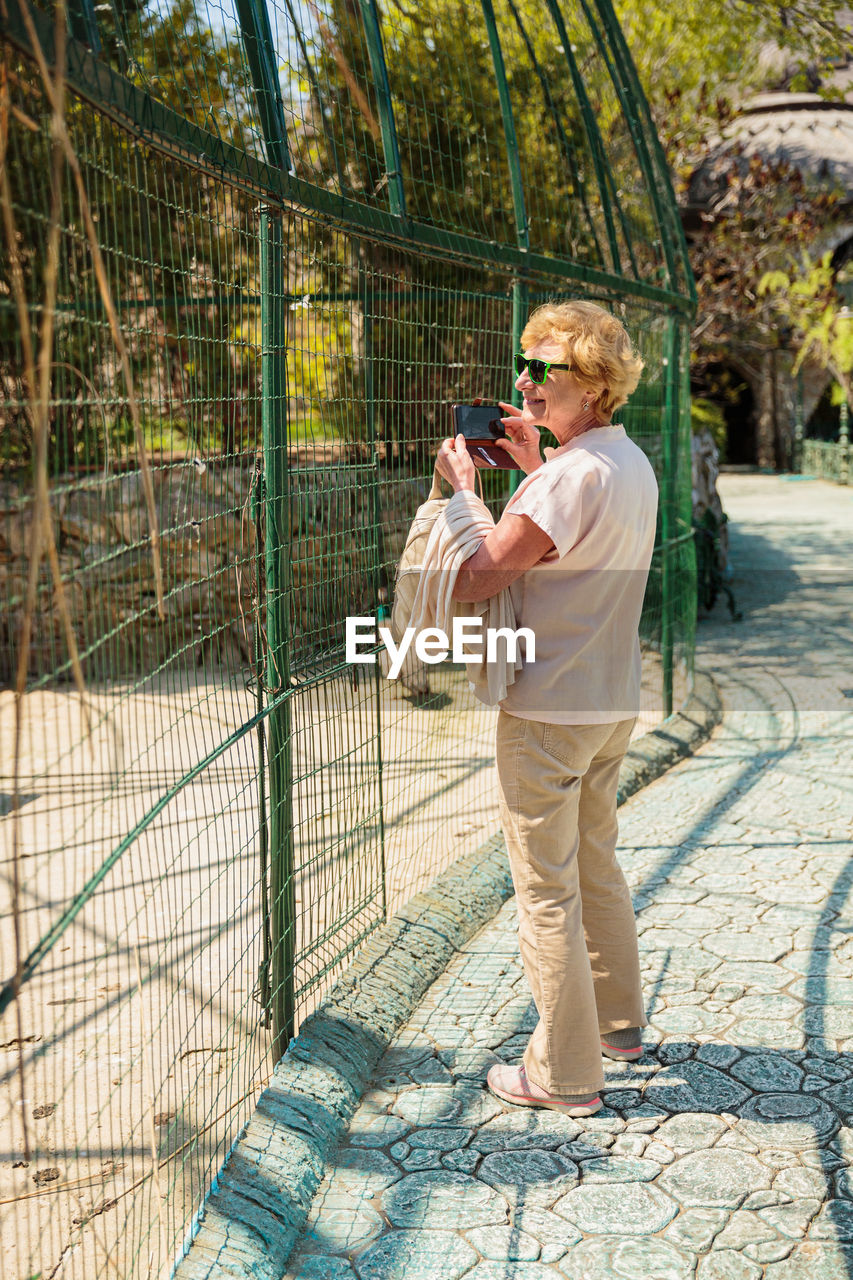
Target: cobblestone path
x=722 y=1153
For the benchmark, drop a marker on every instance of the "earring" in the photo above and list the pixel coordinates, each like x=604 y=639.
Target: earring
x=586 y=404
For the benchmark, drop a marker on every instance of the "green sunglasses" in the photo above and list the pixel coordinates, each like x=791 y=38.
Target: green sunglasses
x=537 y=370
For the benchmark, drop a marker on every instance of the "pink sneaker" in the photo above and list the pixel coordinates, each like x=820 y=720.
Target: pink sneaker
x=621 y=1055
x=510 y=1084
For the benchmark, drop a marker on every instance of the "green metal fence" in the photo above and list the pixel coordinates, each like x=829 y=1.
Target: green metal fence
x=251 y=253
x=828 y=459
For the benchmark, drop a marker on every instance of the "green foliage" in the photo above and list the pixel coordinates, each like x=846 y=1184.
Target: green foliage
x=807 y=296
x=320 y=372
x=697 y=59
x=177 y=269
x=767 y=211
x=705 y=415
x=176 y=55
x=427 y=351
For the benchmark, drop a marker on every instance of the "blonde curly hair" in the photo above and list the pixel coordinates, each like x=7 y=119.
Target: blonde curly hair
x=594 y=343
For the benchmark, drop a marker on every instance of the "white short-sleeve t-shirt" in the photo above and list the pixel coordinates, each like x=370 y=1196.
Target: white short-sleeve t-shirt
x=596 y=498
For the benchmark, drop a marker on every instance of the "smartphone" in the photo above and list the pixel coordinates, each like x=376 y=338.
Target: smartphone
x=480 y=424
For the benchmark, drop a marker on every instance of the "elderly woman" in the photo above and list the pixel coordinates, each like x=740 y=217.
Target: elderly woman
x=574 y=546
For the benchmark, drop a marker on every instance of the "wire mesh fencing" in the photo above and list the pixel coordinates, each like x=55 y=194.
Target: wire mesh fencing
x=251 y=254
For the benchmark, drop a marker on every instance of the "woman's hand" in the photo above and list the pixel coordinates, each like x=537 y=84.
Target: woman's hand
x=523 y=443
x=454 y=462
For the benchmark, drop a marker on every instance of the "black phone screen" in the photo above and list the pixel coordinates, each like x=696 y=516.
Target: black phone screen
x=481 y=424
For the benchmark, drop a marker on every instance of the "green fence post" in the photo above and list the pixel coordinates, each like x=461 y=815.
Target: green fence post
x=596 y=145
x=516 y=185
x=653 y=166
x=83 y=23
x=277 y=576
x=797 y=460
x=668 y=523
x=577 y=179
x=381 y=609
x=638 y=115
x=390 y=148
x=260 y=55
x=262 y=987
x=844 y=442
x=520 y=304
x=522 y=229
x=311 y=77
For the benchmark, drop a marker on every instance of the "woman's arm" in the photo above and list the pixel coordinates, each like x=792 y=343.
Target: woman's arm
x=515 y=545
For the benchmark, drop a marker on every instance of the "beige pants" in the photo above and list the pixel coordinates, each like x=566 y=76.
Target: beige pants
x=577 y=933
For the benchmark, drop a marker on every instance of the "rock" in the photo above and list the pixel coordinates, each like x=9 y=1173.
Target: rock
x=363 y=1172
x=768 y=1072
x=441 y=1139
x=841 y=1096
x=748 y=946
x=713 y=1179
x=620 y=1169
x=630 y=1144
x=727 y=1265
x=513 y=1129
x=801 y=1183
x=433 y=1105
x=695 y=1229
x=511 y=1271
x=659 y=1153
x=530 y=1178
x=547 y=1227
x=453 y=1199
x=102 y=531
x=417 y=1160
x=766 y=1198
x=417 y=1255
x=619 y=1259
x=376 y=1130
x=813 y=1260
x=463 y=1161
x=745 y=1227
x=335 y=1229
x=630 y=1208
x=834 y=1222
x=796 y=1120
x=718 y=1055
x=690 y=1131
x=693 y=1086
x=319 y=1266
x=504 y=1244
x=792 y=1219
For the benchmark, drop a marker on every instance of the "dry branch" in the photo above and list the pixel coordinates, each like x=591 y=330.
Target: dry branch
x=59 y=123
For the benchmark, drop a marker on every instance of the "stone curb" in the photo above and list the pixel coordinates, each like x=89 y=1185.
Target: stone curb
x=256 y=1208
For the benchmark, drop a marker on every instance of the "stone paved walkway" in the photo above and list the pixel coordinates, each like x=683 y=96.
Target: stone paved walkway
x=722 y=1153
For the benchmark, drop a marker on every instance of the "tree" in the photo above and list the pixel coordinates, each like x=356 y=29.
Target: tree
x=172 y=237
x=435 y=332
x=765 y=211
x=697 y=60
x=807 y=297
x=697 y=63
